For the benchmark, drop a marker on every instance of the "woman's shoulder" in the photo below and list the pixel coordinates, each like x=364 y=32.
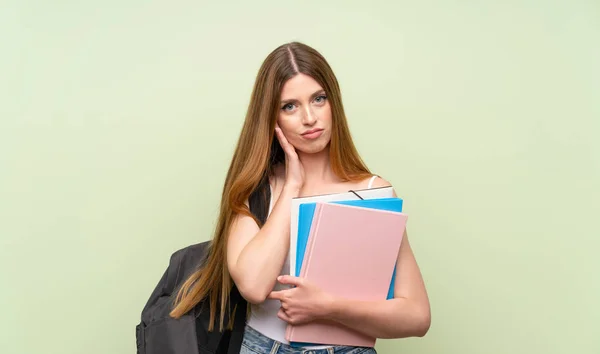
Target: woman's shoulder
x=377 y=181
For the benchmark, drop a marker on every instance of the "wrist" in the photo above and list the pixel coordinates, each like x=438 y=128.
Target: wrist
x=330 y=307
x=291 y=190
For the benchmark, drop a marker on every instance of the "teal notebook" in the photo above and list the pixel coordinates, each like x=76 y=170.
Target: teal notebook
x=305 y=218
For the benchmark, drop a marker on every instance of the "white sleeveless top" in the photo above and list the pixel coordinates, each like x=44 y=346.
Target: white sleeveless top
x=263 y=317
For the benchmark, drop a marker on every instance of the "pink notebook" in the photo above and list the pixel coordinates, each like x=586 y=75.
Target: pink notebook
x=351 y=252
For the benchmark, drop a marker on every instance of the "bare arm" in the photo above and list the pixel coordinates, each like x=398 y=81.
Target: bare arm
x=255 y=256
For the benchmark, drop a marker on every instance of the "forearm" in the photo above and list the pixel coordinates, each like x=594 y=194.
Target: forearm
x=261 y=260
x=395 y=318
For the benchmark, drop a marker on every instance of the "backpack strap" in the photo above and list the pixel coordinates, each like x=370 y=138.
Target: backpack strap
x=259 y=200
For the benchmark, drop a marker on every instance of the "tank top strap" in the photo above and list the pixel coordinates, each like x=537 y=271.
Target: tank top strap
x=371 y=181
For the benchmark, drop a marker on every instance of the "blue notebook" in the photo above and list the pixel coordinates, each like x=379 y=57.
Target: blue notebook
x=305 y=218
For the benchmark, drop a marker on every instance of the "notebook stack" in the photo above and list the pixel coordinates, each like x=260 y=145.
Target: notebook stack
x=348 y=245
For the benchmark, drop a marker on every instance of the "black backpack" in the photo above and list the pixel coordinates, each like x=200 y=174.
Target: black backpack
x=159 y=333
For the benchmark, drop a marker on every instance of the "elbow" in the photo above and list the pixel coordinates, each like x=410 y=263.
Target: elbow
x=253 y=297
x=252 y=288
x=422 y=323
x=252 y=292
x=415 y=323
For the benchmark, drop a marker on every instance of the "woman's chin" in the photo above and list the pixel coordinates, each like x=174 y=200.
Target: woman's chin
x=313 y=148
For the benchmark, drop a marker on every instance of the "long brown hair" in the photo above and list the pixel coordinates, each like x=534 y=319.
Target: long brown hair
x=256 y=154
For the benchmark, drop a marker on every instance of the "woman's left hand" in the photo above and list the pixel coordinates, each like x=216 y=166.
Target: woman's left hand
x=303 y=303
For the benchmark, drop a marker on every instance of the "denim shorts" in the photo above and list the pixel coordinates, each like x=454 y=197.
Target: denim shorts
x=256 y=343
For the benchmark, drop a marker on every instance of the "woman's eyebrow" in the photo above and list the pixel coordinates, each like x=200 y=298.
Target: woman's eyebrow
x=293 y=100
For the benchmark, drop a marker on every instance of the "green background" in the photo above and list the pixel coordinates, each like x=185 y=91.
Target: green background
x=119 y=118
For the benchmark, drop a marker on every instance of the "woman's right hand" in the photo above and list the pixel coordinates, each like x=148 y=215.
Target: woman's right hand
x=294 y=171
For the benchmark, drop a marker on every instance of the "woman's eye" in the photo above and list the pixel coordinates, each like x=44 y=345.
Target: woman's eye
x=288 y=107
x=320 y=99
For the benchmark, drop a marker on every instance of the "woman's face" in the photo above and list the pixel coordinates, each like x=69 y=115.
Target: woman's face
x=305 y=114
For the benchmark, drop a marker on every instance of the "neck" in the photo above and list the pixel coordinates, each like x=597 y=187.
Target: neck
x=317 y=167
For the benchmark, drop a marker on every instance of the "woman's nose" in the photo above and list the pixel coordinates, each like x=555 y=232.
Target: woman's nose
x=309 y=117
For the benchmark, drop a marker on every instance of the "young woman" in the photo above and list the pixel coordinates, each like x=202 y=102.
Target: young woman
x=295 y=142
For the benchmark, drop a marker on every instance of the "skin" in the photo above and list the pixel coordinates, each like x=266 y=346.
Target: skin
x=256 y=256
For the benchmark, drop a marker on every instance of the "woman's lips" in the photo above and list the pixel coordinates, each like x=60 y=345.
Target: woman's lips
x=312 y=134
